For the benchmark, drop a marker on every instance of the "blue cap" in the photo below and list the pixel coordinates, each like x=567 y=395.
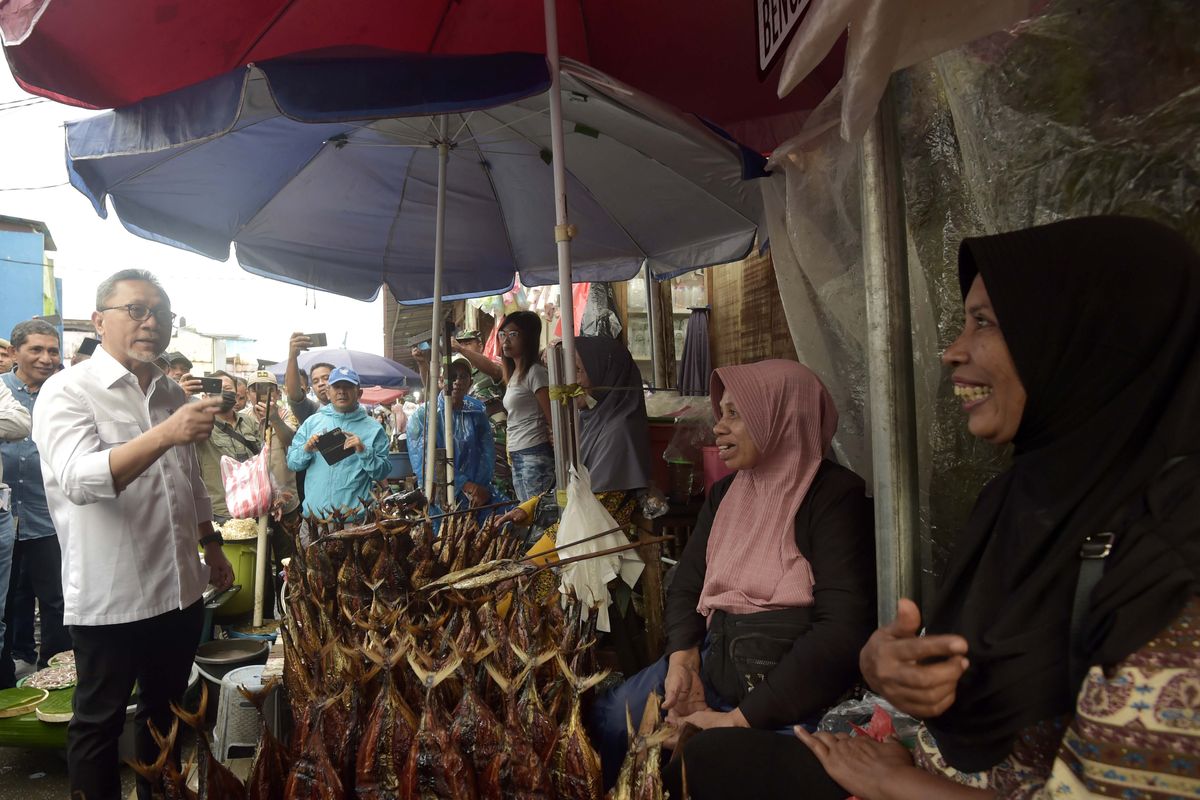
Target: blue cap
x=344 y=375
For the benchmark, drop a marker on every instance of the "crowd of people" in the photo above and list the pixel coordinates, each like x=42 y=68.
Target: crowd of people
x=1059 y=657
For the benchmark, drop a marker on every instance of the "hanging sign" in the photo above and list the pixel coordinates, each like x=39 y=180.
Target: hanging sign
x=775 y=21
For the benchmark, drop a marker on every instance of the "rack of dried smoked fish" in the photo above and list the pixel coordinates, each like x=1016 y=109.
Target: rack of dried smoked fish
x=421 y=666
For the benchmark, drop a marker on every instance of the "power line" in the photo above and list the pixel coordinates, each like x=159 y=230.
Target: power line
x=15 y=104
x=33 y=188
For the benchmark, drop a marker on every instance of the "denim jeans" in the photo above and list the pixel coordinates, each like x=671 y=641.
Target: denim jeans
x=40 y=562
x=8 y=535
x=532 y=474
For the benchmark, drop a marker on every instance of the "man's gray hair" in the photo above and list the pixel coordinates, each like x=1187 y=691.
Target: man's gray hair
x=108 y=288
x=31 y=327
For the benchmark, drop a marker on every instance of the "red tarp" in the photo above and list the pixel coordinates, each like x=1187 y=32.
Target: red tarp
x=700 y=57
x=377 y=395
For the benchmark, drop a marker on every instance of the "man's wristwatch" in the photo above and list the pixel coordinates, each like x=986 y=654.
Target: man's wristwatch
x=205 y=541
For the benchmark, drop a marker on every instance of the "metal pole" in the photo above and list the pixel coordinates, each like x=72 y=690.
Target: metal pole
x=448 y=421
x=562 y=231
x=658 y=372
x=889 y=361
x=435 y=344
x=262 y=552
x=564 y=417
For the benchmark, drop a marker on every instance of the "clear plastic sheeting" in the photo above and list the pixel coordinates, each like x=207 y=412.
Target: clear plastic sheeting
x=812 y=211
x=884 y=36
x=1086 y=109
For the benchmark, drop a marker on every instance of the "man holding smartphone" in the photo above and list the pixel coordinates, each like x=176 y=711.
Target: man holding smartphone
x=233 y=435
x=336 y=478
x=116 y=437
x=318 y=374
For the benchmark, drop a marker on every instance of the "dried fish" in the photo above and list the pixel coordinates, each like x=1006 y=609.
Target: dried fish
x=216 y=781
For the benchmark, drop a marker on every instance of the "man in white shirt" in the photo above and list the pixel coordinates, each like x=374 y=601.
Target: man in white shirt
x=116 y=436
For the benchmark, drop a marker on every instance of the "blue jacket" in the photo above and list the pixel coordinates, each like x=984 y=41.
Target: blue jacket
x=341 y=485
x=474 y=444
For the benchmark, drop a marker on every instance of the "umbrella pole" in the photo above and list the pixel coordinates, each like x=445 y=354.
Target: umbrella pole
x=262 y=552
x=563 y=232
x=448 y=418
x=435 y=343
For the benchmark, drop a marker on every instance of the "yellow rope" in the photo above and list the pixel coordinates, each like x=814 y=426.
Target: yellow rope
x=564 y=392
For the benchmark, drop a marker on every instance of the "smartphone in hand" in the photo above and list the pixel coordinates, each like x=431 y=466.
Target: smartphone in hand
x=332 y=446
x=211 y=385
x=317 y=340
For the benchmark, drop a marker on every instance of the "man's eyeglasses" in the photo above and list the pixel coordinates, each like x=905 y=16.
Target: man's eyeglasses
x=140 y=313
x=502 y=335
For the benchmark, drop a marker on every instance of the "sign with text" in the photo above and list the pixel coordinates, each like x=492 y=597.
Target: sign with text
x=775 y=22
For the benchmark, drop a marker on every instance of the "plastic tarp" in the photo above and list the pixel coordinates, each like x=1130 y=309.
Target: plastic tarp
x=1085 y=109
x=884 y=36
x=323 y=172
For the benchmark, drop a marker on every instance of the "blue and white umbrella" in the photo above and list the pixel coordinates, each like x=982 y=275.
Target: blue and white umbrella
x=373 y=370
x=324 y=172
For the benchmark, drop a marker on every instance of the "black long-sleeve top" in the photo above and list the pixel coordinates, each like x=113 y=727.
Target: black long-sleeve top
x=835 y=531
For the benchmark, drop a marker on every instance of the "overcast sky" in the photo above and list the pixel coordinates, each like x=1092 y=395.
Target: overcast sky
x=214 y=296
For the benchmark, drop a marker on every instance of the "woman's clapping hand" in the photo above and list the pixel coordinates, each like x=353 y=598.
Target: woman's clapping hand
x=917 y=674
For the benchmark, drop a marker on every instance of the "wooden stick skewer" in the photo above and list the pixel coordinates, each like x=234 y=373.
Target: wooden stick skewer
x=572 y=544
x=610 y=551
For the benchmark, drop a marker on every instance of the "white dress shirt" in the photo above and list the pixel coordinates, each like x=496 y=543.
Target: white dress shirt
x=126 y=556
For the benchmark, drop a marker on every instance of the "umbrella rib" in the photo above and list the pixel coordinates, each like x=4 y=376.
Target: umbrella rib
x=487 y=173
x=501 y=126
x=583 y=187
x=387 y=245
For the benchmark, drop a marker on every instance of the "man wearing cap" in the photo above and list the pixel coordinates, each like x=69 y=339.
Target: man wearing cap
x=474 y=456
x=264 y=406
x=233 y=435
x=178 y=366
x=487 y=389
x=343 y=484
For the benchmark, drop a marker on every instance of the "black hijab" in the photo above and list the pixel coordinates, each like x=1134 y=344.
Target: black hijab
x=1102 y=318
x=614 y=435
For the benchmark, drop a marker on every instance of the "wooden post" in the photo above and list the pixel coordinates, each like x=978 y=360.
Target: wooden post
x=652 y=588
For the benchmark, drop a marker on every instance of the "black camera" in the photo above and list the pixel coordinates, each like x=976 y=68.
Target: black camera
x=332 y=446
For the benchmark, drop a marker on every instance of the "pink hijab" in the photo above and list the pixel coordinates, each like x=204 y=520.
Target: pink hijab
x=753 y=563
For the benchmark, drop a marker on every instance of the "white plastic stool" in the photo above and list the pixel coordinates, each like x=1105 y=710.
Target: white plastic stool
x=238 y=723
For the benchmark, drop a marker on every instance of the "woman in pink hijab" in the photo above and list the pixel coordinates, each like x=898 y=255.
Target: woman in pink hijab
x=774 y=594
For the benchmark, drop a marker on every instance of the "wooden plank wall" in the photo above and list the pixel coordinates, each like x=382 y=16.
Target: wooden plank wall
x=747 y=323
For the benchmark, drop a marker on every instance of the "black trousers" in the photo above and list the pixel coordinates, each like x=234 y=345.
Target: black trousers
x=746 y=764
x=39 y=561
x=157 y=653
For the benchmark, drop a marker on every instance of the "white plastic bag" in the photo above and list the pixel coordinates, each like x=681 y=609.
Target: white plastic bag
x=586 y=516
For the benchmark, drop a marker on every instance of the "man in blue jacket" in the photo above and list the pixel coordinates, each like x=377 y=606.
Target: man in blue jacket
x=329 y=487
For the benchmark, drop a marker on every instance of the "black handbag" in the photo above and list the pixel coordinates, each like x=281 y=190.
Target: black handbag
x=744 y=648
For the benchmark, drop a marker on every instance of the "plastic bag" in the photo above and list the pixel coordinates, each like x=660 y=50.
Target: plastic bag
x=693 y=430
x=247 y=484
x=588 y=580
x=865 y=716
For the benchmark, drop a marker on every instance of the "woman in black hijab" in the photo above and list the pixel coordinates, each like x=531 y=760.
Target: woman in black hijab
x=1062 y=653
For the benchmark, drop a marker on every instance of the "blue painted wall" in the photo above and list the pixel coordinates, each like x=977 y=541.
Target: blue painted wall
x=21 y=256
